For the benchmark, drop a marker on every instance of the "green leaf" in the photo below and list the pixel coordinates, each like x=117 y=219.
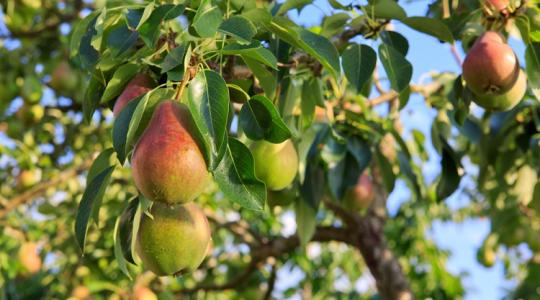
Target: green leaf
x=522 y=23
x=254 y=51
x=173 y=59
x=358 y=62
x=238 y=27
x=266 y=79
x=121 y=128
x=334 y=24
x=79 y=31
x=396 y=40
x=311 y=96
x=292 y=4
x=104 y=160
x=388 y=176
x=121 y=39
x=235 y=176
x=433 y=27
x=260 y=119
x=386 y=9
x=208 y=101
x=450 y=178
x=89 y=204
x=91 y=99
x=313 y=186
x=532 y=62
x=117 y=83
x=306 y=221
x=398 y=69
x=207 y=19
x=127 y=229
x=87 y=54
x=147 y=13
x=259 y=16
x=315 y=45
x=150 y=30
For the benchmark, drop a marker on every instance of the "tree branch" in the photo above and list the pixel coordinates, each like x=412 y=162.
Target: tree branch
x=40 y=188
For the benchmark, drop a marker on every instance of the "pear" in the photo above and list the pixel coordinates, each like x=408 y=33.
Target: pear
x=275 y=164
x=360 y=196
x=504 y=101
x=140 y=84
x=168 y=165
x=175 y=240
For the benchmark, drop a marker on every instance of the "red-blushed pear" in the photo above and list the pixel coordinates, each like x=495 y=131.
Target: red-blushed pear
x=504 y=101
x=491 y=66
x=64 y=78
x=498 y=5
x=168 y=165
x=275 y=164
x=137 y=86
x=360 y=196
x=175 y=240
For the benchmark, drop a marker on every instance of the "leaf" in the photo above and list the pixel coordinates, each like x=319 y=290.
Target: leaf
x=311 y=95
x=398 y=69
x=259 y=16
x=254 y=51
x=433 y=27
x=88 y=55
x=450 y=178
x=405 y=168
x=532 y=63
x=104 y=160
x=292 y=4
x=386 y=9
x=118 y=255
x=238 y=27
x=334 y=24
x=149 y=30
x=79 y=32
x=128 y=227
x=117 y=83
x=522 y=23
x=358 y=62
x=207 y=19
x=173 y=59
x=235 y=176
x=313 y=186
x=147 y=13
x=208 y=101
x=121 y=128
x=388 y=176
x=92 y=195
x=121 y=39
x=396 y=40
x=315 y=45
x=266 y=79
x=306 y=222
x=91 y=98
x=260 y=119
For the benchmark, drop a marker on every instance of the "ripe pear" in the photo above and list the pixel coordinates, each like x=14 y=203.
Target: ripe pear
x=168 y=165
x=491 y=66
x=29 y=258
x=175 y=241
x=504 y=101
x=140 y=84
x=63 y=78
x=275 y=164
x=360 y=196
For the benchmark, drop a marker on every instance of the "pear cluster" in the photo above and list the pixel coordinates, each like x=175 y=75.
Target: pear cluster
x=492 y=73
x=169 y=169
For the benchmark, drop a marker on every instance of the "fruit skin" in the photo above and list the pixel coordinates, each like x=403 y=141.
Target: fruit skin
x=275 y=164
x=507 y=100
x=167 y=164
x=491 y=66
x=28 y=178
x=175 y=241
x=499 y=5
x=360 y=196
x=137 y=86
x=29 y=258
x=63 y=78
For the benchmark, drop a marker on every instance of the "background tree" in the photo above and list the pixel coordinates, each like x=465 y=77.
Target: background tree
x=250 y=76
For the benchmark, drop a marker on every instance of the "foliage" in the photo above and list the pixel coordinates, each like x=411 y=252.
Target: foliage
x=247 y=72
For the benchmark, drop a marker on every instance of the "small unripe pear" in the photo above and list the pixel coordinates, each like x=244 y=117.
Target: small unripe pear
x=29 y=258
x=360 y=196
x=491 y=66
x=275 y=164
x=507 y=100
x=167 y=164
x=175 y=240
x=64 y=79
x=140 y=84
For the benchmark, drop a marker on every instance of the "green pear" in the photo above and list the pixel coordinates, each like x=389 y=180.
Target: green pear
x=275 y=164
x=175 y=240
x=507 y=100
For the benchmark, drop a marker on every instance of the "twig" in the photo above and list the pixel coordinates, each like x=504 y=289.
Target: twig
x=456 y=55
x=271 y=282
